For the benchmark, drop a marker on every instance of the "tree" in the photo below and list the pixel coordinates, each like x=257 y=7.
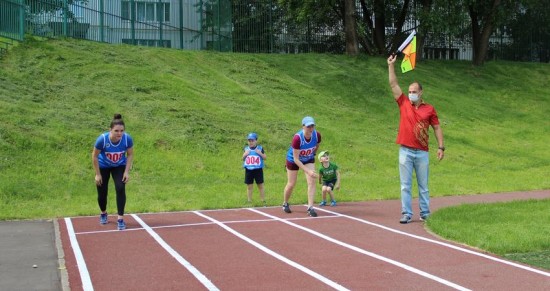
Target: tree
x=529 y=30
x=442 y=23
x=350 y=27
x=324 y=19
x=48 y=6
x=376 y=17
x=485 y=16
x=255 y=25
x=54 y=17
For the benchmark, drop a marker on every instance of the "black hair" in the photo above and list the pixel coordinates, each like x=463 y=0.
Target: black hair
x=117 y=120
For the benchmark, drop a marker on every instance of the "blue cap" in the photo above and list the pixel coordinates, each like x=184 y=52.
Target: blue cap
x=308 y=120
x=252 y=135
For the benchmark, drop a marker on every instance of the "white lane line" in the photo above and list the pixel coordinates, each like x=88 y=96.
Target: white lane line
x=276 y=255
x=441 y=243
x=200 y=223
x=82 y=269
x=370 y=254
x=194 y=271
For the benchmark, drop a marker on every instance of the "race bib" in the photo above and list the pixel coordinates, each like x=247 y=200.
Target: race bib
x=114 y=157
x=252 y=161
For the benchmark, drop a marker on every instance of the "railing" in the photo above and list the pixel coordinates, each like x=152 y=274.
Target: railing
x=12 y=19
x=175 y=24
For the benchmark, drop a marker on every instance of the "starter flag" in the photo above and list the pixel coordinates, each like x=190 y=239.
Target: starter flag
x=408 y=48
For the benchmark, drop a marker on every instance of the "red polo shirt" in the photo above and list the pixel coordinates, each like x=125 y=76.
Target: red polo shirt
x=414 y=123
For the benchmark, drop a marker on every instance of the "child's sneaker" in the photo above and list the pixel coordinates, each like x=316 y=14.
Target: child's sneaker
x=311 y=212
x=103 y=218
x=121 y=224
x=286 y=208
x=323 y=203
x=333 y=203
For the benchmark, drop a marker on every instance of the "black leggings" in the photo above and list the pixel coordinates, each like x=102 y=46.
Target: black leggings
x=120 y=188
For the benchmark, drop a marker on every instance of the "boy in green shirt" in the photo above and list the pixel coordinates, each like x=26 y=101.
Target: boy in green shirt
x=329 y=177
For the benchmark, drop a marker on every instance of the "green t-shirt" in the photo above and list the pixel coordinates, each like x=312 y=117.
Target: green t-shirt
x=328 y=174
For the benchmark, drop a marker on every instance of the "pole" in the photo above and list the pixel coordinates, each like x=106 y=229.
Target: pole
x=133 y=21
x=101 y=23
x=181 y=24
x=160 y=17
x=65 y=10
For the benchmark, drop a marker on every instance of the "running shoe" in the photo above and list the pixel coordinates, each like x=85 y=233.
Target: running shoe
x=286 y=208
x=121 y=224
x=311 y=212
x=333 y=203
x=405 y=219
x=103 y=218
x=323 y=203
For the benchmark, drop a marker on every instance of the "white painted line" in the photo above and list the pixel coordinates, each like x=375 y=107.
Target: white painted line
x=82 y=269
x=370 y=254
x=276 y=255
x=194 y=271
x=200 y=223
x=442 y=244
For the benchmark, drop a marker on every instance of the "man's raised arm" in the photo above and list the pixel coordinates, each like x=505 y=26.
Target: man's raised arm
x=393 y=78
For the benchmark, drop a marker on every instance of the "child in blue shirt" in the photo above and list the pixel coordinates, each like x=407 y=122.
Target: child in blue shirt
x=253 y=163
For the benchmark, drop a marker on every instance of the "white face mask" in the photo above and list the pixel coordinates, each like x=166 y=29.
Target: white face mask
x=413 y=97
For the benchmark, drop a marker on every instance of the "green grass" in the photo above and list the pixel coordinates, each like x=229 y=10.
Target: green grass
x=517 y=230
x=189 y=113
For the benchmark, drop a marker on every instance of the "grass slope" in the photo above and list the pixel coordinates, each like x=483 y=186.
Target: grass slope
x=189 y=113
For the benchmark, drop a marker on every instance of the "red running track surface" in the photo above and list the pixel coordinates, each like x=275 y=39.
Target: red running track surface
x=354 y=246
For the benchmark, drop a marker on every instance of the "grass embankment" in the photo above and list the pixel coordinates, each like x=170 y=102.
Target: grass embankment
x=189 y=113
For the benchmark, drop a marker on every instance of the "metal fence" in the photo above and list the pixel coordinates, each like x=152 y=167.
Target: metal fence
x=259 y=26
x=174 y=24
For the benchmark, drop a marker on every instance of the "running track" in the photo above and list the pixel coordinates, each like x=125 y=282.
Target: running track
x=354 y=246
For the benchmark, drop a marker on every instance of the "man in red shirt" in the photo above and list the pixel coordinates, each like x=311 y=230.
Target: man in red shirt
x=416 y=117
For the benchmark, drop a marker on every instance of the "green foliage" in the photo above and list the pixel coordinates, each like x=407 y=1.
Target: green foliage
x=189 y=113
x=49 y=6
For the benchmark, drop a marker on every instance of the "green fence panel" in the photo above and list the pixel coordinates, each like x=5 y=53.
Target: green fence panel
x=12 y=19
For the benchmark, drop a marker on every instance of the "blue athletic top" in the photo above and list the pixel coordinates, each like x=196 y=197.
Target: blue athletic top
x=307 y=149
x=253 y=161
x=113 y=155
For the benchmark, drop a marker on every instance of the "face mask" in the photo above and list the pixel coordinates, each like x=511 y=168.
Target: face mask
x=413 y=97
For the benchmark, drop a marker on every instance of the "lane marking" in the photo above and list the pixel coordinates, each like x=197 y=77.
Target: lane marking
x=199 y=223
x=370 y=254
x=440 y=243
x=194 y=271
x=275 y=255
x=82 y=268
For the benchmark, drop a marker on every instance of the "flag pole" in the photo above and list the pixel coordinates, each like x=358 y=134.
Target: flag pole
x=406 y=42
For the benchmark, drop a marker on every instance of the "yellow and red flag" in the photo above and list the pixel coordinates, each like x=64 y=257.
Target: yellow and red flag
x=408 y=48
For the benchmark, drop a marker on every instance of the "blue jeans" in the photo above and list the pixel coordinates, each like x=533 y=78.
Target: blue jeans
x=418 y=160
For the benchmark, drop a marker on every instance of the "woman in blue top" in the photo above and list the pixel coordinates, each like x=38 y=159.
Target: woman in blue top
x=112 y=156
x=301 y=155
